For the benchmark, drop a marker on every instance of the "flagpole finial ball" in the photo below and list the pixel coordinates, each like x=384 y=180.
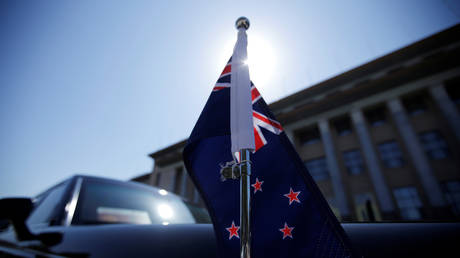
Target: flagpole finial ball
x=242 y=22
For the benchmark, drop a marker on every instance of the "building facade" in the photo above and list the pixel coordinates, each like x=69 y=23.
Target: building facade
x=382 y=141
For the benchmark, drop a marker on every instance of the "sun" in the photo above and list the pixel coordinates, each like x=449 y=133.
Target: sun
x=261 y=60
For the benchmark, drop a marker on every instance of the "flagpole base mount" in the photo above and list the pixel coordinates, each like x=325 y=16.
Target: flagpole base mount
x=233 y=170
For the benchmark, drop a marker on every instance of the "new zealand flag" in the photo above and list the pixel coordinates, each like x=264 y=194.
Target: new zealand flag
x=289 y=215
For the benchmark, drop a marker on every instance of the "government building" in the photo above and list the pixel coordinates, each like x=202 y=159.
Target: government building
x=382 y=141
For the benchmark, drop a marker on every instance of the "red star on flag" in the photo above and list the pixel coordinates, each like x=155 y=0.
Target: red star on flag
x=292 y=196
x=287 y=231
x=233 y=230
x=257 y=185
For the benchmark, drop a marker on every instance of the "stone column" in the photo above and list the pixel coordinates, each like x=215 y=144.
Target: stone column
x=447 y=107
x=173 y=177
x=333 y=167
x=183 y=187
x=417 y=154
x=375 y=172
x=152 y=177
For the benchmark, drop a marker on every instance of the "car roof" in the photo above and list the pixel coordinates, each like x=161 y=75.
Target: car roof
x=146 y=187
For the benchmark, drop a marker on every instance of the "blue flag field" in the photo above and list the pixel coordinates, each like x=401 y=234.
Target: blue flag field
x=289 y=215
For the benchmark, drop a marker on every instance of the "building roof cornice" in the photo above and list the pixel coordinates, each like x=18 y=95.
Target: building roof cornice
x=436 y=41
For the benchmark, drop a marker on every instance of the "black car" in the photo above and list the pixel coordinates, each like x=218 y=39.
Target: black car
x=88 y=216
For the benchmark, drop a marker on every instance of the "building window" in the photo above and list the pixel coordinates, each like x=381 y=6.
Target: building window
x=309 y=136
x=353 y=162
x=434 y=144
x=318 y=169
x=415 y=104
x=391 y=154
x=342 y=126
x=408 y=202
x=451 y=192
x=376 y=116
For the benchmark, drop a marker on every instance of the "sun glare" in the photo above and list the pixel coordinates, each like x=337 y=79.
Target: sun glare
x=261 y=60
x=165 y=211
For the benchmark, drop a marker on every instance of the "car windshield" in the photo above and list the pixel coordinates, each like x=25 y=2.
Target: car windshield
x=102 y=202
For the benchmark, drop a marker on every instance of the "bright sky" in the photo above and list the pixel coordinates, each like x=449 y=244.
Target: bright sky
x=93 y=87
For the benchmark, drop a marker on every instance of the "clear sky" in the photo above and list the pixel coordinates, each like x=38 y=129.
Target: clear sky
x=93 y=87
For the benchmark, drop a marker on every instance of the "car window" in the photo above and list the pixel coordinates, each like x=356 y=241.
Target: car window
x=47 y=206
x=106 y=202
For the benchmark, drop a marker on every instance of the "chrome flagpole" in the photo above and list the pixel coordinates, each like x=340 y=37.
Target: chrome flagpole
x=245 y=173
x=245 y=204
x=242 y=134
